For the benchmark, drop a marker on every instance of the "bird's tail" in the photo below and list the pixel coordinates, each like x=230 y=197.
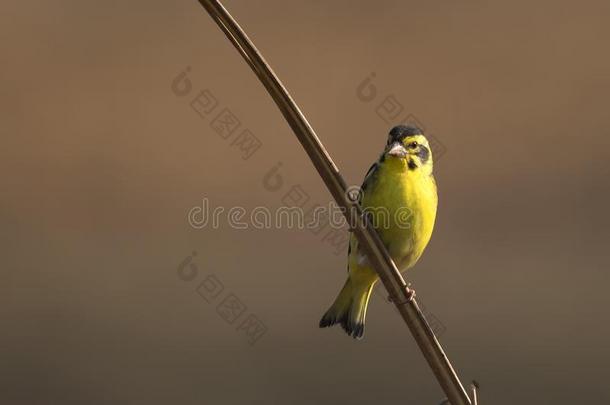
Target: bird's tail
x=349 y=309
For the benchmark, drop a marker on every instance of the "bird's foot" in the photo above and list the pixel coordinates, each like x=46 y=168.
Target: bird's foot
x=410 y=294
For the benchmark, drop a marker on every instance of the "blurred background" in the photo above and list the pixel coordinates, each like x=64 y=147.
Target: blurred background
x=102 y=158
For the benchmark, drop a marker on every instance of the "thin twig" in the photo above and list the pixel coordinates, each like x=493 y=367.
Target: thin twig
x=474 y=388
x=402 y=296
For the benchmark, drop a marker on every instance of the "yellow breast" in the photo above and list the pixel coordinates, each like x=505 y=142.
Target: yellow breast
x=409 y=200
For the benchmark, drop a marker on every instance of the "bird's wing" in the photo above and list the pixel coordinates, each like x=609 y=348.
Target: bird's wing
x=369 y=178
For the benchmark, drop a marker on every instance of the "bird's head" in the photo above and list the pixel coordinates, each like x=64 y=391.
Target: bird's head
x=408 y=146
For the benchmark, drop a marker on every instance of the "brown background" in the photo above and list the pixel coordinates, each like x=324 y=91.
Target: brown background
x=100 y=163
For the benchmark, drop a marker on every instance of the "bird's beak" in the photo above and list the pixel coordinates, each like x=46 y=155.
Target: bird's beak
x=397 y=150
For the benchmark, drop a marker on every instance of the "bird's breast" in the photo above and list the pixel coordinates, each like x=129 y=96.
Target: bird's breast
x=403 y=209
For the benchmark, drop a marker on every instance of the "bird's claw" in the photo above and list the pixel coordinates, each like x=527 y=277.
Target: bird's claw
x=410 y=294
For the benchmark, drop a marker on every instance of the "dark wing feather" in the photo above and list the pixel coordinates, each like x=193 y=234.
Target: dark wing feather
x=369 y=179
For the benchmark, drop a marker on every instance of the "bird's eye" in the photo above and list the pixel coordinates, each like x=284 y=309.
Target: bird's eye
x=412 y=145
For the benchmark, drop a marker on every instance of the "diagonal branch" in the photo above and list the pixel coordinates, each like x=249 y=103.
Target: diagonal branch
x=402 y=296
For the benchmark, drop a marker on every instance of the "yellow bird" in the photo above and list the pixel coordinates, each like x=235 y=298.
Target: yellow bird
x=399 y=191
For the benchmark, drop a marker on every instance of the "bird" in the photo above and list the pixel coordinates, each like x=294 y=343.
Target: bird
x=401 y=186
